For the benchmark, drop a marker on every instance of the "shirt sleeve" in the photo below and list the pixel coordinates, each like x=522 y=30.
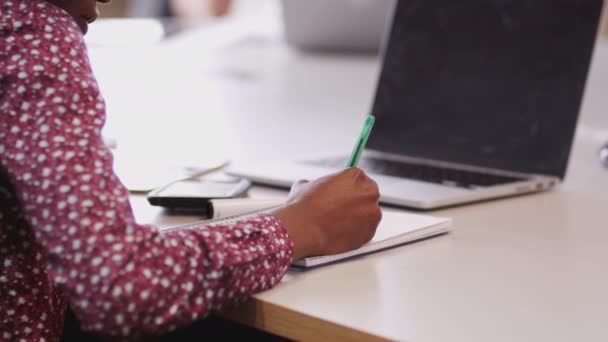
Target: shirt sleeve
x=121 y=278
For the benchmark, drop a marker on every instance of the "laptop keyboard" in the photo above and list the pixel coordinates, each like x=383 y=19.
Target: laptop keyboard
x=426 y=173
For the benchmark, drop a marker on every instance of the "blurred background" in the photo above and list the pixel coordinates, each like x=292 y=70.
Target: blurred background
x=198 y=9
x=240 y=64
x=155 y=8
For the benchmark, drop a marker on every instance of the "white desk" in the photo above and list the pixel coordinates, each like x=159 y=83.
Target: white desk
x=528 y=268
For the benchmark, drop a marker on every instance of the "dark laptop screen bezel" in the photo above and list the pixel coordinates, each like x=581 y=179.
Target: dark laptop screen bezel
x=422 y=94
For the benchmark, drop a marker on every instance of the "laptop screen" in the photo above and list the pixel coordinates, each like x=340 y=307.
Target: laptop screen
x=491 y=83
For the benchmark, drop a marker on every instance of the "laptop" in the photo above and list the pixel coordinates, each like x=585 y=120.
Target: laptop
x=336 y=25
x=476 y=100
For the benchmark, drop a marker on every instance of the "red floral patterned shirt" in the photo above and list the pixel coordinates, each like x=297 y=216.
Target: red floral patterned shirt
x=67 y=232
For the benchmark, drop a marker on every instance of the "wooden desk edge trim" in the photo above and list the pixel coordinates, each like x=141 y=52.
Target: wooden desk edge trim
x=293 y=325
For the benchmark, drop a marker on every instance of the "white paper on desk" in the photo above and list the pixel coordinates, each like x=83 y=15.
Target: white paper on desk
x=222 y=208
x=396 y=228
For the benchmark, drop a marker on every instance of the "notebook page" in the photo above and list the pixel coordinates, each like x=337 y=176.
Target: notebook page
x=399 y=223
x=395 y=228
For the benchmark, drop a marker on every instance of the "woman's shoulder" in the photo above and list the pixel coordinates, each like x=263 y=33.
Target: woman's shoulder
x=42 y=53
x=35 y=17
x=40 y=39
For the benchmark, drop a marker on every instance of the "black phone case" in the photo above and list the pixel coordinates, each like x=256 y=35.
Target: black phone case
x=193 y=203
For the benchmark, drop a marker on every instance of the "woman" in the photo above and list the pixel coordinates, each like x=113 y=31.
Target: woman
x=67 y=233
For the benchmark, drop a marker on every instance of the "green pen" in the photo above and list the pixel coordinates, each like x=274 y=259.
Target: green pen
x=361 y=141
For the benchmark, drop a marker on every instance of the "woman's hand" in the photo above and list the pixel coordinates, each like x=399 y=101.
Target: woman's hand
x=333 y=214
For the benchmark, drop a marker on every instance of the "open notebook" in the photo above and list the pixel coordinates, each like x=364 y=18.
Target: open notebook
x=396 y=228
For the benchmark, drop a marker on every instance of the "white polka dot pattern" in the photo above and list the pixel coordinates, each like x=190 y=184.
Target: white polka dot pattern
x=66 y=226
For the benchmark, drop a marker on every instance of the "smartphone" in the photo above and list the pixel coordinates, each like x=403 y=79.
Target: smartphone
x=194 y=194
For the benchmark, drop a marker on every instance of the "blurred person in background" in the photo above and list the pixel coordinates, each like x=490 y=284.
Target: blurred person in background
x=179 y=8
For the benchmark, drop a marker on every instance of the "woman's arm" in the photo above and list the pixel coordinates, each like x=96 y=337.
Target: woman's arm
x=120 y=277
